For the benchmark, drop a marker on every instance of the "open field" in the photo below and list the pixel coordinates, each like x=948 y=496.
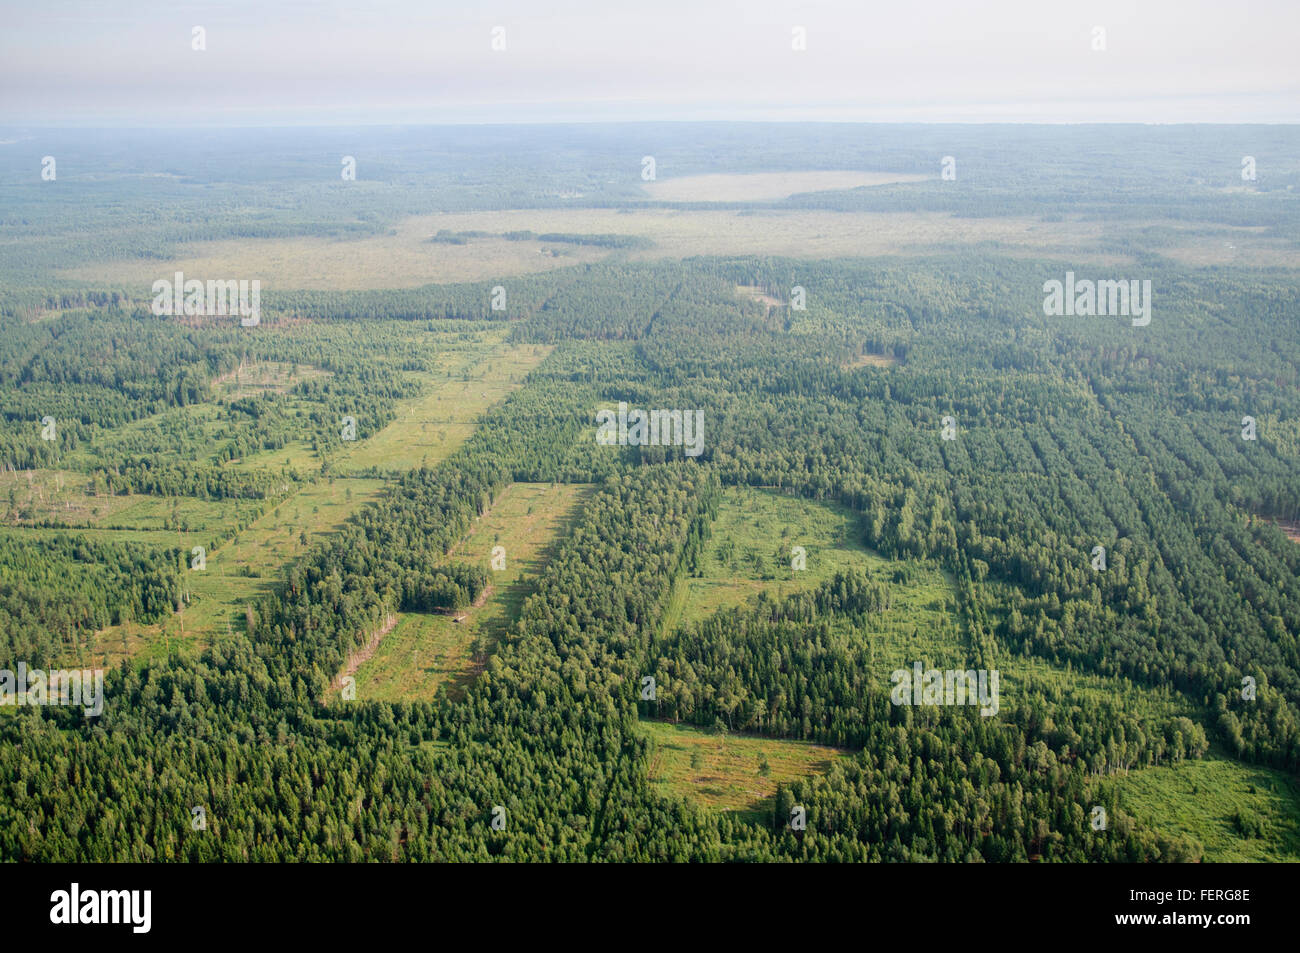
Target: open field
x=243 y=565
x=65 y=497
x=432 y=427
x=406 y=259
x=760 y=295
x=749 y=551
x=1204 y=799
x=402 y=258
x=213 y=519
x=766 y=186
x=249 y=380
x=243 y=569
x=724 y=772
x=427 y=651
x=470 y=377
x=871 y=360
x=34 y=496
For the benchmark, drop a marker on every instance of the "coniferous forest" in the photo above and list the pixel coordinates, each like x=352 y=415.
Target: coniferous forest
x=280 y=542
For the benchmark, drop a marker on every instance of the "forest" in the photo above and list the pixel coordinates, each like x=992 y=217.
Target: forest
x=967 y=433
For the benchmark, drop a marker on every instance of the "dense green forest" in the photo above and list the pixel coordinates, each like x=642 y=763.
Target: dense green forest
x=930 y=395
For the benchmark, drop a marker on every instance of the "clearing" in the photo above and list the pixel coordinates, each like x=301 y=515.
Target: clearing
x=725 y=771
x=427 y=651
x=258 y=377
x=1239 y=812
x=871 y=360
x=432 y=427
x=407 y=259
x=242 y=565
x=750 y=551
x=767 y=186
x=241 y=570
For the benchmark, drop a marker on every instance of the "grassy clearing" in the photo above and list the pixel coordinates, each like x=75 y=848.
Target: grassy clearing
x=760 y=295
x=871 y=360
x=241 y=566
x=241 y=570
x=214 y=519
x=432 y=427
x=1204 y=798
x=65 y=497
x=750 y=551
x=725 y=772
x=297 y=456
x=407 y=259
x=249 y=564
x=34 y=496
x=260 y=377
x=402 y=258
x=427 y=651
x=766 y=186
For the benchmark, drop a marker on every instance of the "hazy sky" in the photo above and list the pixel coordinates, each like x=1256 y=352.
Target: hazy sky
x=293 y=61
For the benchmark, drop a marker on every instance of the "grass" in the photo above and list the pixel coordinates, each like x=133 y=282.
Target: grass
x=432 y=427
x=182 y=522
x=32 y=496
x=766 y=186
x=185 y=515
x=750 y=546
x=749 y=551
x=63 y=496
x=426 y=652
x=250 y=380
x=401 y=258
x=871 y=360
x=760 y=295
x=405 y=258
x=241 y=570
x=724 y=772
x=242 y=565
x=1201 y=798
x=206 y=431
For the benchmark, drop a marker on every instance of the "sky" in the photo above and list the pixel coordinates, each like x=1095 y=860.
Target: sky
x=293 y=62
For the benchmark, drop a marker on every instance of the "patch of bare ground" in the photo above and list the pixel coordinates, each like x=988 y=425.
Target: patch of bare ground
x=759 y=294
x=870 y=360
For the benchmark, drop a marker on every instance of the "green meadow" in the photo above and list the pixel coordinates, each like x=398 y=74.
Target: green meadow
x=425 y=652
x=1238 y=812
x=729 y=772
